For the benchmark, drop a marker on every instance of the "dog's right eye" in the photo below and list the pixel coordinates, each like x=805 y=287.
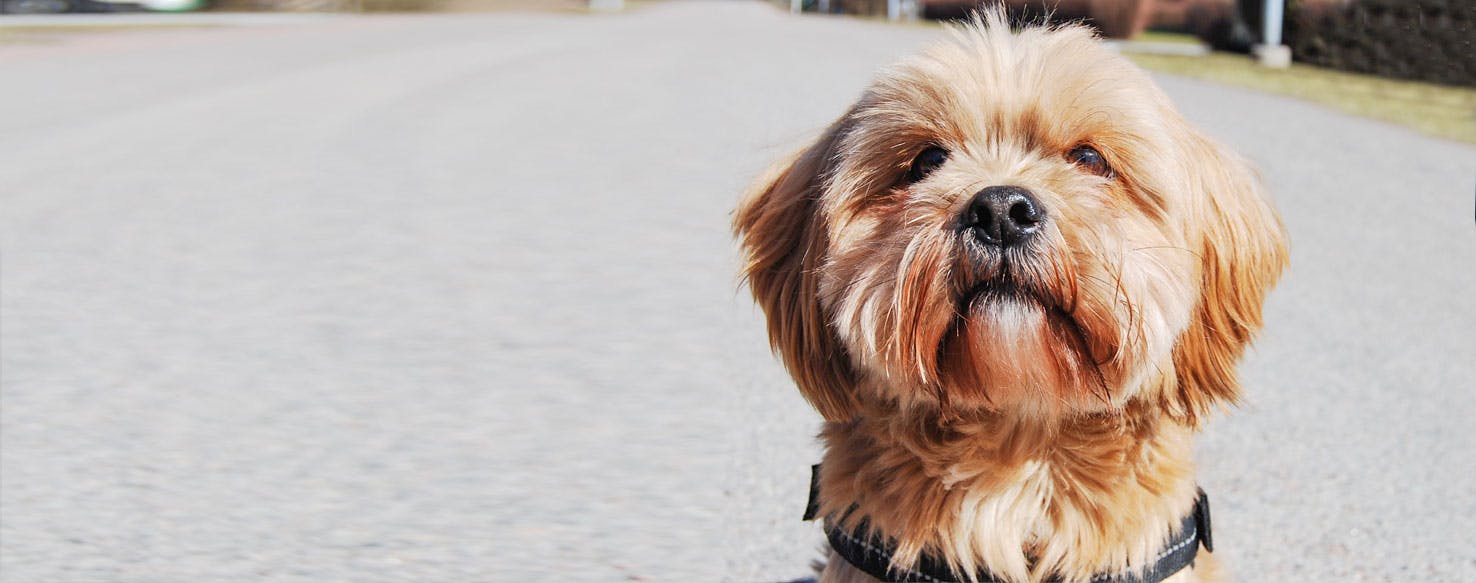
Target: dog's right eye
x=926 y=162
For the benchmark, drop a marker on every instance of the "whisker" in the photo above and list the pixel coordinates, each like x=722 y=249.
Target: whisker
x=1174 y=247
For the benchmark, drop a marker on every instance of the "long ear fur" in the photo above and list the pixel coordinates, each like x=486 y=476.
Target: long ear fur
x=1243 y=253
x=779 y=226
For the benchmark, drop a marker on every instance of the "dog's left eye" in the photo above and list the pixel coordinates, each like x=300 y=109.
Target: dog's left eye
x=1089 y=158
x=926 y=162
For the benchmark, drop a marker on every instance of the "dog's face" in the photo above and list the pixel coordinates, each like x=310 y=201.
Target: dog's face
x=1012 y=222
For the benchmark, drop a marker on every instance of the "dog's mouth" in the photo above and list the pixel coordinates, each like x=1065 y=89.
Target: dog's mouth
x=1011 y=338
x=1001 y=289
x=1008 y=282
x=1003 y=292
x=1006 y=291
x=986 y=279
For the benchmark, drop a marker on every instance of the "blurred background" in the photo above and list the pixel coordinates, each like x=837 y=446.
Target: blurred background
x=1426 y=40
x=444 y=290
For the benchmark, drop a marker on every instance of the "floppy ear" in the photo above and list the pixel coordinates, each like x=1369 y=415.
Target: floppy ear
x=1243 y=252
x=779 y=227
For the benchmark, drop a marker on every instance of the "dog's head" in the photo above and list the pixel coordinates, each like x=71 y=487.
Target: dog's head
x=1012 y=221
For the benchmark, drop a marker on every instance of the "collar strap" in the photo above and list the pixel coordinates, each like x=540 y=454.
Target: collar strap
x=872 y=552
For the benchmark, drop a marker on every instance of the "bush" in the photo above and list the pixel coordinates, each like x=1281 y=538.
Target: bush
x=1423 y=40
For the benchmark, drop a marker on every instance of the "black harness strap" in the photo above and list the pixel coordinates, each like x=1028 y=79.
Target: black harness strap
x=872 y=552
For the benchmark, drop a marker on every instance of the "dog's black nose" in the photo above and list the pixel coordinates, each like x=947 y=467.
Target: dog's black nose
x=1003 y=216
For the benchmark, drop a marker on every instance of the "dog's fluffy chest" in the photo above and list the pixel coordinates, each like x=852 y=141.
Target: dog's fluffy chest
x=1022 y=502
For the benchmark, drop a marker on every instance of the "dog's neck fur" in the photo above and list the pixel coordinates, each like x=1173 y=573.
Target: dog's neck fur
x=1025 y=499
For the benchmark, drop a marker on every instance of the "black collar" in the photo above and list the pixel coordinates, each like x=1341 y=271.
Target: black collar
x=872 y=552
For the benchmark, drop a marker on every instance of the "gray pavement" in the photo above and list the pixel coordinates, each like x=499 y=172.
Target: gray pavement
x=452 y=298
x=162 y=20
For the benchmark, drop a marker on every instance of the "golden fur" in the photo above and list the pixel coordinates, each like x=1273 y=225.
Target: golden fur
x=1042 y=436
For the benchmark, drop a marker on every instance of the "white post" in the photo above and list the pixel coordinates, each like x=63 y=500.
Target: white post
x=1271 y=52
x=894 y=9
x=1271 y=21
x=607 y=5
x=796 y=6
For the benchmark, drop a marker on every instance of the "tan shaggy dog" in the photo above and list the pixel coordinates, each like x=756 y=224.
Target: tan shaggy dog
x=1014 y=281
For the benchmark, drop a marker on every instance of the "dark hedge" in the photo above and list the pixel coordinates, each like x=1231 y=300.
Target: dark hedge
x=1424 y=40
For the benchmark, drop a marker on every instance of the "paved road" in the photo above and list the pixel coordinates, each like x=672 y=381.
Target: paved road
x=452 y=299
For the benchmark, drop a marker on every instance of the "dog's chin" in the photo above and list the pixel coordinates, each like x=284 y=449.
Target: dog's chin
x=1015 y=351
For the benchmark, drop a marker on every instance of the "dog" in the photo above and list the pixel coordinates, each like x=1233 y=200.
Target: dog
x=1013 y=280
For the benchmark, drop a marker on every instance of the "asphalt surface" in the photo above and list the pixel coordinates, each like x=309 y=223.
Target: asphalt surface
x=452 y=298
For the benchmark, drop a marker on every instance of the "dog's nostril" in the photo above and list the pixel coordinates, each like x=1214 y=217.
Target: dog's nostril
x=1024 y=213
x=1003 y=215
x=980 y=216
